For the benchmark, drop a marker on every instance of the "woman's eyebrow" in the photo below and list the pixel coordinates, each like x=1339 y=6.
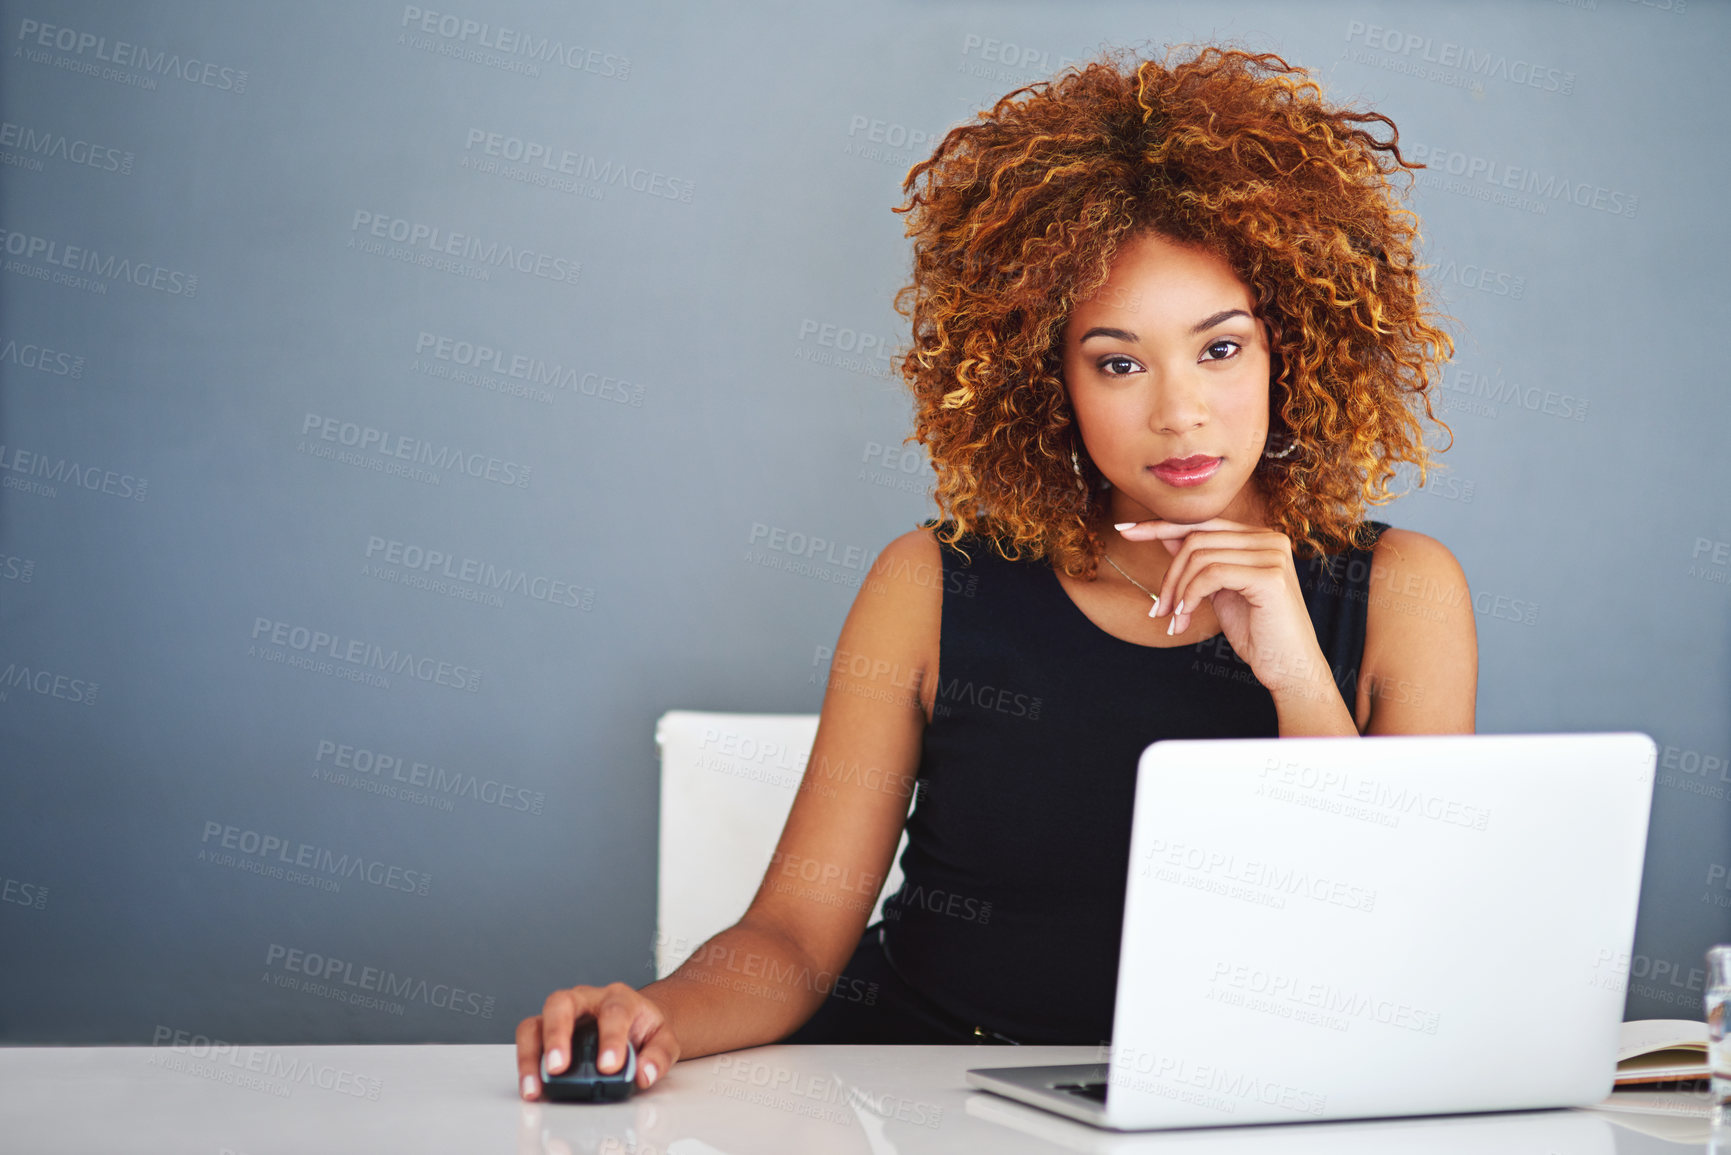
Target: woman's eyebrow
x=1209 y=322
x=1201 y=326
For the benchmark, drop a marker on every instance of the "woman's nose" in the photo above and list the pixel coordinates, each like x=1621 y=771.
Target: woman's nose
x=1177 y=406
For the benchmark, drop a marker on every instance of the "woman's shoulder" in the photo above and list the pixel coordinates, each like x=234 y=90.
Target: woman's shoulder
x=932 y=559
x=1405 y=554
x=1388 y=556
x=934 y=542
x=907 y=575
x=918 y=546
x=1379 y=537
x=1391 y=561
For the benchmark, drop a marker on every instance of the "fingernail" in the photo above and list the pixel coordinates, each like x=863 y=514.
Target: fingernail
x=608 y=1058
x=1180 y=606
x=1171 y=625
x=528 y=1086
x=553 y=1060
x=649 y=1072
x=1154 y=610
x=1123 y=525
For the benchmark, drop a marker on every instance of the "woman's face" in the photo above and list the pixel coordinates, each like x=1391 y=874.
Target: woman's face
x=1167 y=371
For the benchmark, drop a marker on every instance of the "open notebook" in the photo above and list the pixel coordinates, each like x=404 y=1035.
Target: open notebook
x=1661 y=1051
x=1658 y=1064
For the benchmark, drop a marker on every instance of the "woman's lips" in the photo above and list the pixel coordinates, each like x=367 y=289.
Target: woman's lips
x=1186 y=471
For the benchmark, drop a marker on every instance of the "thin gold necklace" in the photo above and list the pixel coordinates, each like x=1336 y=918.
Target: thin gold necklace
x=1154 y=610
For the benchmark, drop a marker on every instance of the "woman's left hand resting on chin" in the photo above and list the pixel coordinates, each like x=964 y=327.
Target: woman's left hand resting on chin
x=1419 y=673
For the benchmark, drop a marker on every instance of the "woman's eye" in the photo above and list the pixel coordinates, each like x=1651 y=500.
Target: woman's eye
x=1127 y=366
x=1220 y=350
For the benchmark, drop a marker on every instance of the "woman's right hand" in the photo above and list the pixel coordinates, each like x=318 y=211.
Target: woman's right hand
x=620 y=1012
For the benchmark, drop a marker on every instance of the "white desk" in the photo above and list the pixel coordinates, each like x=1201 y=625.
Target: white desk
x=793 y=1100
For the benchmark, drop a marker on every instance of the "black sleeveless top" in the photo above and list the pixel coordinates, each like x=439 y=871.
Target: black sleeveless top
x=1019 y=842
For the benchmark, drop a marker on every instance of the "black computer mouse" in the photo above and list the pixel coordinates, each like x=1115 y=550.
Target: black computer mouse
x=581 y=1082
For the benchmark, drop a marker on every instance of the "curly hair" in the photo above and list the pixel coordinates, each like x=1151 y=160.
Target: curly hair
x=1016 y=218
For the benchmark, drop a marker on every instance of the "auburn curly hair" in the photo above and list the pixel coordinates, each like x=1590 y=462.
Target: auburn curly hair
x=1016 y=217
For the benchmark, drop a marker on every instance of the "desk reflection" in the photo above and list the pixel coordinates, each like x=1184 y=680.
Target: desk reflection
x=777 y=1100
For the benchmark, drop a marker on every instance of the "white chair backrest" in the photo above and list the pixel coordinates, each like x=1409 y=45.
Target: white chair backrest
x=727 y=784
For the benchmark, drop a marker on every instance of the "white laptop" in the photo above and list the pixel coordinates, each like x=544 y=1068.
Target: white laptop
x=1348 y=928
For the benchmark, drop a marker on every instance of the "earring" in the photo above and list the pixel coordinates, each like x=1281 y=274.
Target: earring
x=1076 y=464
x=1289 y=441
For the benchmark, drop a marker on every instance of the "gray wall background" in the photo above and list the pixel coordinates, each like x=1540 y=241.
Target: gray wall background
x=202 y=303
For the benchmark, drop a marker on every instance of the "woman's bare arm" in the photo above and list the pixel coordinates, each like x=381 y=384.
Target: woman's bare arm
x=763 y=977
x=1420 y=669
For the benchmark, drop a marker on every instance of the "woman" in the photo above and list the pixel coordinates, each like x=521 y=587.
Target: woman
x=1166 y=316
